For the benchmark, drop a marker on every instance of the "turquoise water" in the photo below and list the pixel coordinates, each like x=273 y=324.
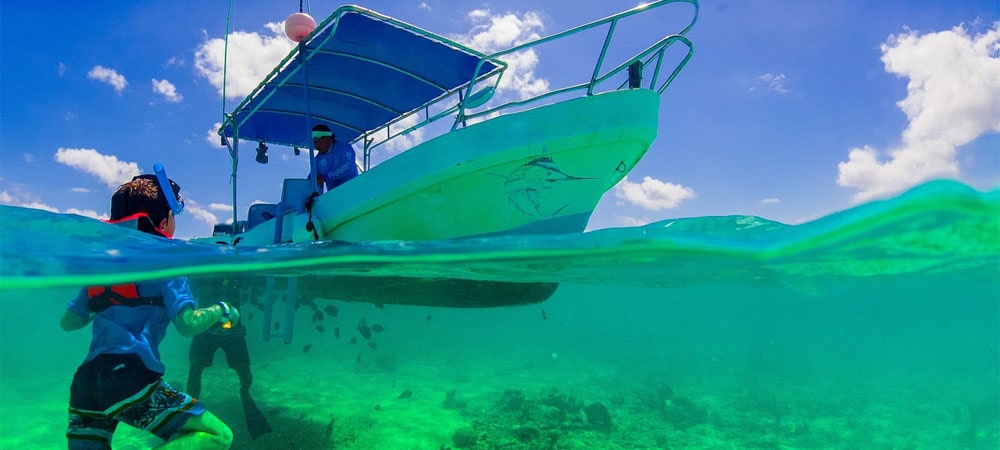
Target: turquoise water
x=876 y=327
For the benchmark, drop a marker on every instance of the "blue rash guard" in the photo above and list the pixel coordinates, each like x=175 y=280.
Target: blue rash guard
x=121 y=329
x=337 y=165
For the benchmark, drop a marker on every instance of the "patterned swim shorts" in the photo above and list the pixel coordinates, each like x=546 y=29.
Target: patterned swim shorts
x=97 y=404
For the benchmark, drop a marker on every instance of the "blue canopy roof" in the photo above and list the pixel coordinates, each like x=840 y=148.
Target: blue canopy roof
x=362 y=71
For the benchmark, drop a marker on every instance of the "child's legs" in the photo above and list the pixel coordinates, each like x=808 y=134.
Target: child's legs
x=101 y=386
x=201 y=432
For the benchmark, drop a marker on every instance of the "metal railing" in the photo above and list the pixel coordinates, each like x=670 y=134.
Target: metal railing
x=470 y=98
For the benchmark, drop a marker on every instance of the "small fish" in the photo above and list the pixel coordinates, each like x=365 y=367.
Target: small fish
x=318 y=316
x=544 y=316
x=428 y=317
x=336 y=332
x=373 y=345
x=306 y=348
x=331 y=310
x=406 y=394
x=380 y=306
x=394 y=384
x=319 y=327
x=358 y=359
x=277 y=326
x=378 y=328
x=354 y=339
x=378 y=407
x=364 y=330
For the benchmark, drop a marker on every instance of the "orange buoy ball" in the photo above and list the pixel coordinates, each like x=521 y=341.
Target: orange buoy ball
x=298 y=26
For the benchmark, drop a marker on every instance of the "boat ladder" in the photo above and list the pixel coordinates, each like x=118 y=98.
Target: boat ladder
x=273 y=294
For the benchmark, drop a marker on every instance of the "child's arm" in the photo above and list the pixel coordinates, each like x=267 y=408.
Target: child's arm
x=72 y=321
x=190 y=321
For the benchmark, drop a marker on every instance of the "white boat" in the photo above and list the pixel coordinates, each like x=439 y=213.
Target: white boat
x=527 y=166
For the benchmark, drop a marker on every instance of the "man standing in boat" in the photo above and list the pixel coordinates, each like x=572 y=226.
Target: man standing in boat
x=335 y=160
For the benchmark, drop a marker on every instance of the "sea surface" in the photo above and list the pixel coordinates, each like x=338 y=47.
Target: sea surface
x=875 y=327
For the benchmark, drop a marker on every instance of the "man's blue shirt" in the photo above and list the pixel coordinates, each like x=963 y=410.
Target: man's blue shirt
x=337 y=165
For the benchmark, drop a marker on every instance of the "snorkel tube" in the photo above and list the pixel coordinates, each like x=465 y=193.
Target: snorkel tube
x=166 y=187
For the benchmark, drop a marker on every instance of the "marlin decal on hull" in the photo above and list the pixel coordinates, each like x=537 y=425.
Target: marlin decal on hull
x=525 y=186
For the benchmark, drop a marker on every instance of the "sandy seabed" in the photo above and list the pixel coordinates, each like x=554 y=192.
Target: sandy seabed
x=317 y=403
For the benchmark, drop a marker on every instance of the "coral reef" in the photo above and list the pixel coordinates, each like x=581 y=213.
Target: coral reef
x=464 y=437
x=518 y=421
x=683 y=413
x=452 y=401
x=598 y=417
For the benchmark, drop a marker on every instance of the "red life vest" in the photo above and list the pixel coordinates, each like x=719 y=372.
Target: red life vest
x=104 y=297
x=127 y=294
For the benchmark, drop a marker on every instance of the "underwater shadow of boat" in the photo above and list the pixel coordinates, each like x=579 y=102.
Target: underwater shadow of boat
x=390 y=290
x=441 y=292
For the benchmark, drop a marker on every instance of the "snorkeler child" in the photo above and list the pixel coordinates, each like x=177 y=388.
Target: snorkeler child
x=121 y=379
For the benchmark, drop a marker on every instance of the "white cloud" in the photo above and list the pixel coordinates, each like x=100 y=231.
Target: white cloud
x=773 y=83
x=36 y=205
x=201 y=214
x=629 y=221
x=770 y=201
x=80 y=190
x=653 y=194
x=224 y=207
x=107 y=168
x=953 y=97
x=175 y=61
x=212 y=136
x=86 y=213
x=168 y=90
x=108 y=76
x=424 y=5
x=23 y=199
x=405 y=142
x=251 y=57
x=62 y=69
x=28 y=157
x=495 y=32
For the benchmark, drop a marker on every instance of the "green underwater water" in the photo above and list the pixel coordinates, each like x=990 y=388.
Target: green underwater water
x=877 y=327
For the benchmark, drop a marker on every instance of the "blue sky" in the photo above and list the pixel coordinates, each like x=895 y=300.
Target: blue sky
x=789 y=110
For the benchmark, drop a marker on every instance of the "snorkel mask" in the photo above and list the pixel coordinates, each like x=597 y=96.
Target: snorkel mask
x=175 y=202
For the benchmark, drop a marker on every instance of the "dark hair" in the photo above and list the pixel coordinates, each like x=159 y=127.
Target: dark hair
x=321 y=127
x=141 y=195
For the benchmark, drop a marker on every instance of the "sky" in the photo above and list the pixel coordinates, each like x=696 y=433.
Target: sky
x=789 y=110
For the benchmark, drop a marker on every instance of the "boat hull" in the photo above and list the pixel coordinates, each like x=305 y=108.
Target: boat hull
x=540 y=171
x=537 y=171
